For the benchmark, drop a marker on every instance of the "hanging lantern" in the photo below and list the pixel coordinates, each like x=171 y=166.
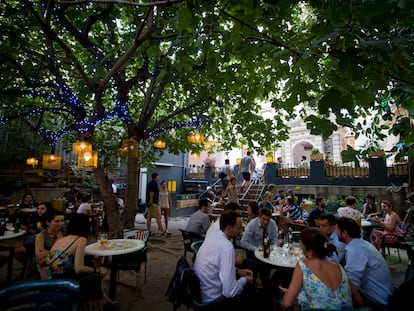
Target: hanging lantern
x=269 y=158
x=88 y=161
x=129 y=148
x=159 y=144
x=195 y=155
x=51 y=161
x=32 y=161
x=81 y=146
x=196 y=138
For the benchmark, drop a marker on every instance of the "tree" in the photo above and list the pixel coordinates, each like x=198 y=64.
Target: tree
x=160 y=69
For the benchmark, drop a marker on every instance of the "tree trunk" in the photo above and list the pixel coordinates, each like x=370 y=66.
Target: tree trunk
x=110 y=205
x=131 y=196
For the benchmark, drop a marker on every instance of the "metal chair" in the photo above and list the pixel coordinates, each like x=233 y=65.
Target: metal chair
x=188 y=239
x=56 y=295
x=403 y=229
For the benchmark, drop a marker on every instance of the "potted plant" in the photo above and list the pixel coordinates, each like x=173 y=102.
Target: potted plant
x=316 y=155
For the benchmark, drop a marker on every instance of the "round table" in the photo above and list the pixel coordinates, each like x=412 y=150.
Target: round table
x=115 y=248
x=8 y=242
x=365 y=223
x=8 y=235
x=28 y=210
x=280 y=256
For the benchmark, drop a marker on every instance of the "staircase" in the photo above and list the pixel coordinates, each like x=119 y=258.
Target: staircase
x=253 y=193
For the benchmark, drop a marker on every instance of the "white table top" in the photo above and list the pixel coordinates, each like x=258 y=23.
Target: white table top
x=280 y=256
x=115 y=247
x=275 y=214
x=28 y=210
x=365 y=223
x=11 y=234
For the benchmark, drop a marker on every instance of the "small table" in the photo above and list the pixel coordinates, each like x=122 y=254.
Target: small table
x=365 y=223
x=28 y=210
x=281 y=257
x=8 y=242
x=114 y=248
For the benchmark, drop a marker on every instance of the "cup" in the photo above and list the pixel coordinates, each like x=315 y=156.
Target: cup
x=103 y=239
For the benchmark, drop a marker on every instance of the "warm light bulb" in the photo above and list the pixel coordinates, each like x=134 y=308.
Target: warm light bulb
x=87 y=156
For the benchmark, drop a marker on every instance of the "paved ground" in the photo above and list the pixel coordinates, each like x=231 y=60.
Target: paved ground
x=163 y=255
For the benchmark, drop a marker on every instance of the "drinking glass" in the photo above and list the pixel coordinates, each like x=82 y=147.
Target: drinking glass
x=103 y=239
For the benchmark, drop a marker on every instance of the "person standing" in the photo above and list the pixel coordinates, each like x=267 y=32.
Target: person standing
x=247 y=166
x=304 y=163
x=232 y=191
x=226 y=174
x=365 y=266
x=165 y=204
x=154 y=210
x=316 y=282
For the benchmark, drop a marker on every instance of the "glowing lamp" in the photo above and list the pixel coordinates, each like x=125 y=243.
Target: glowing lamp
x=88 y=161
x=195 y=155
x=159 y=144
x=81 y=146
x=269 y=158
x=129 y=148
x=196 y=138
x=51 y=161
x=32 y=161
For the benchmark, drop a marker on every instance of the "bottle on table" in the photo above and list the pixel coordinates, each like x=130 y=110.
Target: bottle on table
x=280 y=238
x=266 y=244
x=17 y=225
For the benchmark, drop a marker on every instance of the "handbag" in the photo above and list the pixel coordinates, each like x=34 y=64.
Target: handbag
x=45 y=270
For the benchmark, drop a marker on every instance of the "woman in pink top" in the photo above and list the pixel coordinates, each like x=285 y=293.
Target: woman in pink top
x=389 y=225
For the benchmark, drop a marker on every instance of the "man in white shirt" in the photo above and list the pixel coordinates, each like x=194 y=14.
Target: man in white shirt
x=215 y=263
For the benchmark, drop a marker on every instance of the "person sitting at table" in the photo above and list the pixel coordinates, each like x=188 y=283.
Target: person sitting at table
x=350 y=210
x=370 y=207
x=317 y=212
x=316 y=282
x=279 y=197
x=365 y=266
x=51 y=232
x=39 y=218
x=252 y=210
x=66 y=259
x=389 y=225
x=270 y=193
x=86 y=209
x=253 y=238
x=265 y=203
x=327 y=224
x=214 y=265
x=199 y=221
x=288 y=214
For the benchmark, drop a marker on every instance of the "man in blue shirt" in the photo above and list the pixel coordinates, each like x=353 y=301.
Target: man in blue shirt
x=265 y=203
x=253 y=238
x=365 y=266
x=317 y=212
x=327 y=224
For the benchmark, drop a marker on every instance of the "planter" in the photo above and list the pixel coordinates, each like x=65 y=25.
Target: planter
x=316 y=157
x=376 y=154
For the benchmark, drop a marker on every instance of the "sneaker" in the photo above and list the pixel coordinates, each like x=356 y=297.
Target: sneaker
x=167 y=233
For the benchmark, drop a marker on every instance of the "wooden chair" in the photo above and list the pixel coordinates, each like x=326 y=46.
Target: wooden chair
x=53 y=295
